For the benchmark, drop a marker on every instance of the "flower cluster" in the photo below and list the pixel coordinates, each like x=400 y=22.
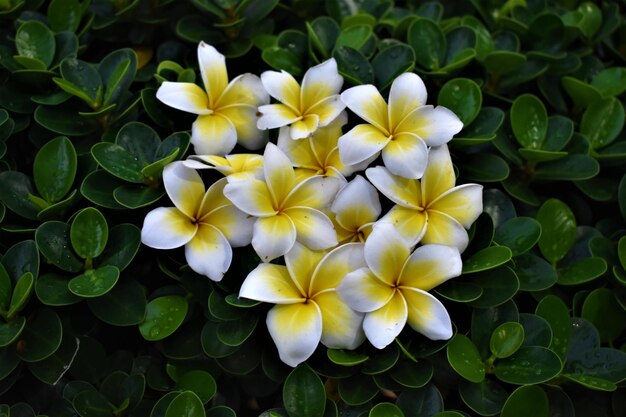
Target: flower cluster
x=348 y=273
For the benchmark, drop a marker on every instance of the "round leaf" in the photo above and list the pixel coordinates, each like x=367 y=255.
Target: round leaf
x=54 y=169
x=346 y=357
x=21 y=293
x=16 y=192
x=186 y=404
x=123 y=244
x=94 y=282
x=41 y=337
x=90 y=403
x=487 y=258
x=11 y=330
x=428 y=42
x=534 y=273
x=199 y=382
x=485 y=167
x=602 y=122
x=163 y=316
x=600 y=305
x=53 y=241
x=582 y=270
x=529 y=121
x=413 y=375
x=558 y=229
x=303 y=393
x=463 y=97
x=465 y=359
x=391 y=62
x=51 y=289
x=529 y=365
x=526 y=401
x=385 y=410
x=499 y=285
x=34 y=40
x=118 y=161
x=124 y=305
x=357 y=389
x=556 y=313
x=506 y=339
x=486 y=398
x=89 y=233
x=519 y=234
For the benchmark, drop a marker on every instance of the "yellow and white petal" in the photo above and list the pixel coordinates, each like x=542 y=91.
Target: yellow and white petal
x=444 y=230
x=356 y=204
x=246 y=162
x=305 y=127
x=301 y=262
x=244 y=89
x=250 y=196
x=213 y=134
x=327 y=110
x=368 y=104
x=363 y=292
x=213 y=198
x=234 y=224
x=313 y=228
x=184 y=187
x=386 y=252
x=436 y=125
x=215 y=162
x=406 y=155
x=283 y=87
x=439 y=175
x=209 y=253
x=324 y=140
x=316 y=192
x=167 y=228
x=341 y=326
x=385 y=324
x=431 y=265
x=275 y=115
x=403 y=191
x=244 y=118
x=273 y=236
x=319 y=82
x=213 y=70
x=410 y=223
x=184 y=96
x=407 y=93
x=298 y=151
x=271 y=284
x=464 y=203
x=296 y=330
x=362 y=142
x=338 y=263
x=278 y=173
x=427 y=315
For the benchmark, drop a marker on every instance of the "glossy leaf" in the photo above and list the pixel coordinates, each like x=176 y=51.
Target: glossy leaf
x=41 y=337
x=465 y=359
x=428 y=42
x=94 y=282
x=529 y=365
x=602 y=122
x=519 y=234
x=34 y=40
x=54 y=169
x=506 y=339
x=463 y=97
x=303 y=393
x=529 y=121
x=124 y=305
x=558 y=227
x=526 y=401
x=89 y=233
x=53 y=241
x=163 y=316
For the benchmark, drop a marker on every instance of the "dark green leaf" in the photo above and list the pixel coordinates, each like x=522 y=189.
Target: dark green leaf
x=418 y=402
x=598 y=306
x=21 y=258
x=534 y=273
x=519 y=234
x=486 y=398
x=10 y=331
x=413 y=375
x=136 y=196
x=163 y=316
x=498 y=285
x=118 y=161
x=22 y=290
x=92 y=404
x=346 y=357
x=51 y=369
x=529 y=365
x=465 y=359
x=357 y=390
x=34 y=40
x=17 y=192
x=526 y=401
x=463 y=97
x=282 y=59
x=506 y=339
x=53 y=241
x=64 y=15
x=54 y=169
x=117 y=71
x=486 y=259
x=186 y=404
x=602 y=122
x=94 y=282
x=123 y=244
x=41 y=337
x=303 y=393
x=353 y=66
x=555 y=312
x=529 y=121
x=82 y=80
x=558 y=229
x=391 y=62
x=124 y=305
x=385 y=410
x=571 y=167
x=52 y=290
x=98 y=187
x=236 y=332
x=428 y=43
x=199 y=382
x=64 y=122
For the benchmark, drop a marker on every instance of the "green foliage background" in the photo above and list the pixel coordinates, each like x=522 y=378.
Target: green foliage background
x=92 y=324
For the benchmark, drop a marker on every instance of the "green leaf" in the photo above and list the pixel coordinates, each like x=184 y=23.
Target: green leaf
x=519 y=234
x=346 y=357
x=529 y=365
x=34 y=40
x=464 y=358
x=186 y=404
x=558 y=230
x=98 y=187
x=506 y=339
x=42 y=336
x=8 y=362
x=560 y=131
x=53 y=241
x=16 y=191
x=136 y=196
x=581 y=271
x=537 y=331
x=357 y=390
x=123 y=244
x=556 y=313
x=54 y=169
x=610 y=81
x=10 y=331
x=602 y=122
x=391 y=62
x=486 y=398
x=503 y=62
x=385 y=410
x=51 y=369
x=459 y=291
x=21 y=258
x=237 y=332
x=117 y=71
x=487 y=258
x=163 y=316
x=118 y=161
x=6 y=289
x=124 y=305
x=89 y=233
x=592 y=382
x=211 y=344
x=463 y=97
x=527 y=401
x=94 y=282
x=529 y=121
x=499 y=285
x=534 y=273
x=82 y=80
x=353 y=66
x=428 y=43
x=568 y=168
x=282 y=59
x=199 y=382
x=64 y=15
x=21 y=293
x=303 y=393
x=52 y=290
x=381 y=361
x=599 y=305
x=425 y=401
x=92 y=404
x=413 y=375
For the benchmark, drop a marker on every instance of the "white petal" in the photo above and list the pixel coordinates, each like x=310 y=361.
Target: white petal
x=406 y=94
x=410 y=223
x=184 y=96
x=213 y=70
x=234 y=224
x=320 y=82
x=305 y=127
x=402 y=191
x=383 y=325
x=283 y=87
x=244 y=118
x=316 y=192
x=328 y=109
x=275 y=115
x=386 y=252
x=278 y=172
x=439 y=175
x=313 y=228
x=406 y=155
x=334 y=266
x=363 y=292
x=271 y=284
x=362 y=142
x=184 y=187
x=463 y=203
x=356 y=204
x=443 y=229
x=250 y=196
x=213 y=134
x=368 y=104
x=299 y=152
x=209 y=253
x=244 y=89
x=431 y=265
x=341 y=326
x=427 y=315
x=273 y=236
x=296 y=330
x=435 y=125
x=167 y=228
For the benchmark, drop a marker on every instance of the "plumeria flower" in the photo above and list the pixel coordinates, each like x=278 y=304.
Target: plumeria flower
x=392 y=288
x=286 y=210
x=403 y=129
x=226 y=111
x=206 y=223
x=303 y=109
x=234 y=167
x=355 y=209
x=318 y=154
x=308 y=309
x=432 y=210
